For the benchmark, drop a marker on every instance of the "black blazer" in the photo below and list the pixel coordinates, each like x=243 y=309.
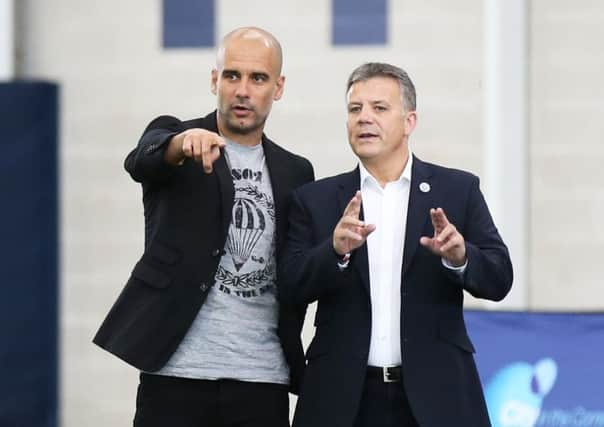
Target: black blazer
x=187 y=217
x=439 y=374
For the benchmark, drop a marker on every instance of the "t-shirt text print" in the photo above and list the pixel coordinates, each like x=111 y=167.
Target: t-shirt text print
x=250 y=240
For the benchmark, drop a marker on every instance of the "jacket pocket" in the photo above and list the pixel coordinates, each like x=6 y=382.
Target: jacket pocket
x=151 y=276
x=454 y=332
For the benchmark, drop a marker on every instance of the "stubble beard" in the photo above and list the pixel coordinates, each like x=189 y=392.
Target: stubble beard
x=238 y=127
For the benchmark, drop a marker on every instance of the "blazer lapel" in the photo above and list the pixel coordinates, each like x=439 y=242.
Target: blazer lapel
x=420 y=201
x=223 y=174
x=227 y=190
x=348 y=186
x=278 y=172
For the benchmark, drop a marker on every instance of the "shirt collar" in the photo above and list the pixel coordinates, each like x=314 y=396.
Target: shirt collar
x=406 y=175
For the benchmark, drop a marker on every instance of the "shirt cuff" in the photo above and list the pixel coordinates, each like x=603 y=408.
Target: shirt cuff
x=458 y=270
x=344 y=261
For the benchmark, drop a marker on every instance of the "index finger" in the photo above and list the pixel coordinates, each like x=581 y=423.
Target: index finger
x=354 y=206
x=439 y=219
x=219 y=141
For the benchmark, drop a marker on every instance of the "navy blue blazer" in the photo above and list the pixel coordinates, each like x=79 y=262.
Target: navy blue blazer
x=439 y=373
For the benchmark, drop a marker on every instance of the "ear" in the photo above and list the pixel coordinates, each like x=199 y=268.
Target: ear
x=214 y=81
x=410 y=122
x=280 y=86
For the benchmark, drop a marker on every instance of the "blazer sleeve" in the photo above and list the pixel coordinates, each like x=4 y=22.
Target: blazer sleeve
x=146 y=163
x=310 y=267
x=489 y=272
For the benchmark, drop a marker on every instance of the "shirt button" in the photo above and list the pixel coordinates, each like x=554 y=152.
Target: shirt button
x=216 y=252
x=204 y=286
x=404 y=294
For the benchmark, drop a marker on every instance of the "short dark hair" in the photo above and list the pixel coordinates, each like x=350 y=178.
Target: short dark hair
x=380 y=69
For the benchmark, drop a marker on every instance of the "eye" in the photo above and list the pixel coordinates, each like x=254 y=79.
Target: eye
x=380 y=108
x=259 y=78
x=230 y=75
x=354 y=108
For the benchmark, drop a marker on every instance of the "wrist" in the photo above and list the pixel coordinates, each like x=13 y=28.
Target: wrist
x=174 y=154
x=338 y=252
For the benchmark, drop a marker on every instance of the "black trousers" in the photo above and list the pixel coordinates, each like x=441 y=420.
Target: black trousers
x=384 y=405
x=179 y=402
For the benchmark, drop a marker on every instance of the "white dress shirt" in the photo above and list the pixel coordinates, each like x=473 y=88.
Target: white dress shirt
x=387 y=209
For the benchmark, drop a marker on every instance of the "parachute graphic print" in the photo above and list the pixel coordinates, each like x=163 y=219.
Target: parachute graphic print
x=248 y=226
x=248 y=268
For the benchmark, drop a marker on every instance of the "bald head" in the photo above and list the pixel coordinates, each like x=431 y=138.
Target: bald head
x=247 y=79
x=251 y=35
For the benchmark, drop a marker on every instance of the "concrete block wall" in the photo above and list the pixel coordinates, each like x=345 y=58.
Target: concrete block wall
x=115 y=77
x=566 y=155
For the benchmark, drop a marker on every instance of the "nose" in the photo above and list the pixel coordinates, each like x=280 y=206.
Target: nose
x=365 y=116
x=242 y=90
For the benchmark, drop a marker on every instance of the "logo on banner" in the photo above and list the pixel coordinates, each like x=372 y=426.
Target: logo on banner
x=515 y=393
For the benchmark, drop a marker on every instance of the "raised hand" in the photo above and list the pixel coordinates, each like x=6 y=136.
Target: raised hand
x=447 y=242
x=351 y=232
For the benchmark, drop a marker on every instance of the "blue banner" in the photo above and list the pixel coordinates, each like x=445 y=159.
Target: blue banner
x=540 y=369
x=29 y=253
x=188 y=23
x=359 y=22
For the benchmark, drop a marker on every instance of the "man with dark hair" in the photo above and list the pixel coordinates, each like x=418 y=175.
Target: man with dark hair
x=199 y=315
x=387 y=250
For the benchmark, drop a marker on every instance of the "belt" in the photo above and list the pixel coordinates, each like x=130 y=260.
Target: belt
x=387 y=374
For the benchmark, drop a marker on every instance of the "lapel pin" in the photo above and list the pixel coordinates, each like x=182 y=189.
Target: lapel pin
x=424 y=187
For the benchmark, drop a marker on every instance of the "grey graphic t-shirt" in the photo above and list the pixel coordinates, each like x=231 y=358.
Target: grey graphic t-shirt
x=235 y=333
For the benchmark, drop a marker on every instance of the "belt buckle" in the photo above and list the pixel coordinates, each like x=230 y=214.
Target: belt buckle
x=386 y=374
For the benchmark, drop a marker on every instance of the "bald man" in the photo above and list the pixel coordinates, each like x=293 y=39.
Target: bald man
x=199 y=315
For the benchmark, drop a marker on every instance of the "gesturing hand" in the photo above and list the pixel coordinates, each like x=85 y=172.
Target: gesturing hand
x=200 y=145
x=447 y=242
x=350 y=232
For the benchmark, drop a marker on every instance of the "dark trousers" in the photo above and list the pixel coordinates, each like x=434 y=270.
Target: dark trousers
x=384 y=405
x=164 y=401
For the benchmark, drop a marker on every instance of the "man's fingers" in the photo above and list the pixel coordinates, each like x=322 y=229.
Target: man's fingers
x=206 y=159
x=425 y=241
x=446 y=233
x=439 y=219
x=191 y=147
x=351 y=221
x=197 y=151
x=209 y=159
x=367 y=230
x=203 y=147
x=349 y=234
x=447 y=241
x=220 y=141
x=357 y=226
x=211 y=152
x=450 y=244
x=207 y=164
x=187 y=147
x=354 y=206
